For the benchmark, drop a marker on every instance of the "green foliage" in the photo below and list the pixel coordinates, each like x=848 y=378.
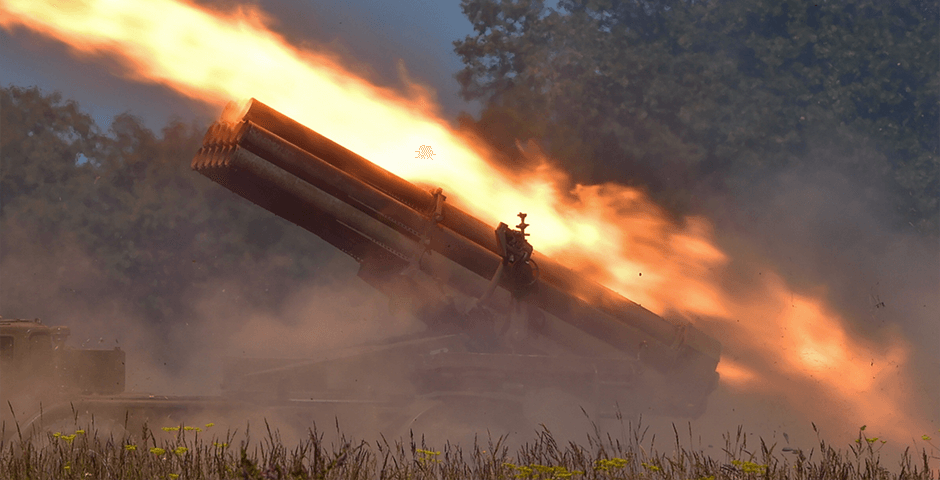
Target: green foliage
x=189 y=455
x=42 y=138
x=155 y=231
x=674 y=94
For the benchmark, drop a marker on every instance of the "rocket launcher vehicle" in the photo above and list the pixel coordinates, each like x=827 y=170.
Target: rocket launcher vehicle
x=461 y=275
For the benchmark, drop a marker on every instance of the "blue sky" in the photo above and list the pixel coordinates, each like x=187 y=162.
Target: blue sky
x=371 y=33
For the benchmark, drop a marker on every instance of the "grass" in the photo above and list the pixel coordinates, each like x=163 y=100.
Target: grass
x=199 y=452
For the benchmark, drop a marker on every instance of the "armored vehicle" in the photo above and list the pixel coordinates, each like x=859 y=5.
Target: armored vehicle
x=46 y=386
x=513 y=338
x=508 y=328
x=34 y=357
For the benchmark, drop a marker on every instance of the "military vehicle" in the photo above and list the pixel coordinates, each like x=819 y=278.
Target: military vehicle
x=46 y=386
x=508 y=329
x=36 y=367
x=34 y=357
x=512 y=339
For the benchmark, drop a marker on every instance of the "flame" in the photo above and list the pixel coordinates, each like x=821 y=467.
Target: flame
x=788 y=344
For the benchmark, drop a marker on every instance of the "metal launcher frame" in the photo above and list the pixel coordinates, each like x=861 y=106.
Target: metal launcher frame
x=502 y=317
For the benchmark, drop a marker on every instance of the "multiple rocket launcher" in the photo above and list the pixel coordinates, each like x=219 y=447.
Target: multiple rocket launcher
x=393 y=227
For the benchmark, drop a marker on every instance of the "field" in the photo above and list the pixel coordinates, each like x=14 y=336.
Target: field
x=204 y=452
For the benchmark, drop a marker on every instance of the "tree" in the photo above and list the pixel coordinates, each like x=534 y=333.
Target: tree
x=157 y=233
x=677 y=94
x=42 y=142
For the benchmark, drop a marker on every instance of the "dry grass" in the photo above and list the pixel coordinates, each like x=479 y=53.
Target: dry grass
x=188 y=452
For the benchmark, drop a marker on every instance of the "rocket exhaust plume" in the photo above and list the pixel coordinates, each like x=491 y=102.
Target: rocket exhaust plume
x=786 y=344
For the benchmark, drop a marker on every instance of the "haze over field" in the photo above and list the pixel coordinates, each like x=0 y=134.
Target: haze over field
x=824 y=301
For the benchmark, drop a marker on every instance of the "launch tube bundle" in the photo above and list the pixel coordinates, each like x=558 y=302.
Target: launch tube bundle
x=393 y=227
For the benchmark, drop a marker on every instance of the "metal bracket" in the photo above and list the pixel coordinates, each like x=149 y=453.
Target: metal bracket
x=424 y=243
x=517 y=255
x=511 y=250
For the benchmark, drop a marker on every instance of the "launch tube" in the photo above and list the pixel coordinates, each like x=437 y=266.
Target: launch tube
x=348 y=180
x=355 y=165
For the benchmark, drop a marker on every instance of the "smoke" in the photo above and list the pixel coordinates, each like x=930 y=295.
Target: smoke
x=818 y=230
x=831 y=233
x=336 y=310
x=821 y=234
x=62 y=285
x=329 y=315
x=811 y=228
x=59 y=283
x=828 y=235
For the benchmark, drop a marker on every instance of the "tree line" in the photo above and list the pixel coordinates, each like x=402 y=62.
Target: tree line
x=687 y=96
x=157 y=233
x=678 y=96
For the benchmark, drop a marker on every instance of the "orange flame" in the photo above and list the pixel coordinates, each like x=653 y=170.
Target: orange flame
x=788 y=344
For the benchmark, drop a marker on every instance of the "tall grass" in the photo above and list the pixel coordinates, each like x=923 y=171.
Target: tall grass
x=191 y=452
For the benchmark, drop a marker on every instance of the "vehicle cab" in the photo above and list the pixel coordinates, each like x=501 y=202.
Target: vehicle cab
x=35 y=355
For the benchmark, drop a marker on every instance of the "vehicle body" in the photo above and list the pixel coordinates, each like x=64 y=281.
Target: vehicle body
x=505 y=324
x=513 y=339
x=34 y=356
x=46 y=386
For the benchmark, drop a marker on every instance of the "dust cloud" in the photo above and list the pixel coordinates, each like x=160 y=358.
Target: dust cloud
x=61 y=285
x=809 y=226
x=829 y=234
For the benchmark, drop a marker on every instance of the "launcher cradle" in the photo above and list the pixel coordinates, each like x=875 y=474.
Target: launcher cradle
x=503 y=320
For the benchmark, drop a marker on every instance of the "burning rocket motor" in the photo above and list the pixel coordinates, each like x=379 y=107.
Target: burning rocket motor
x=464 y=276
